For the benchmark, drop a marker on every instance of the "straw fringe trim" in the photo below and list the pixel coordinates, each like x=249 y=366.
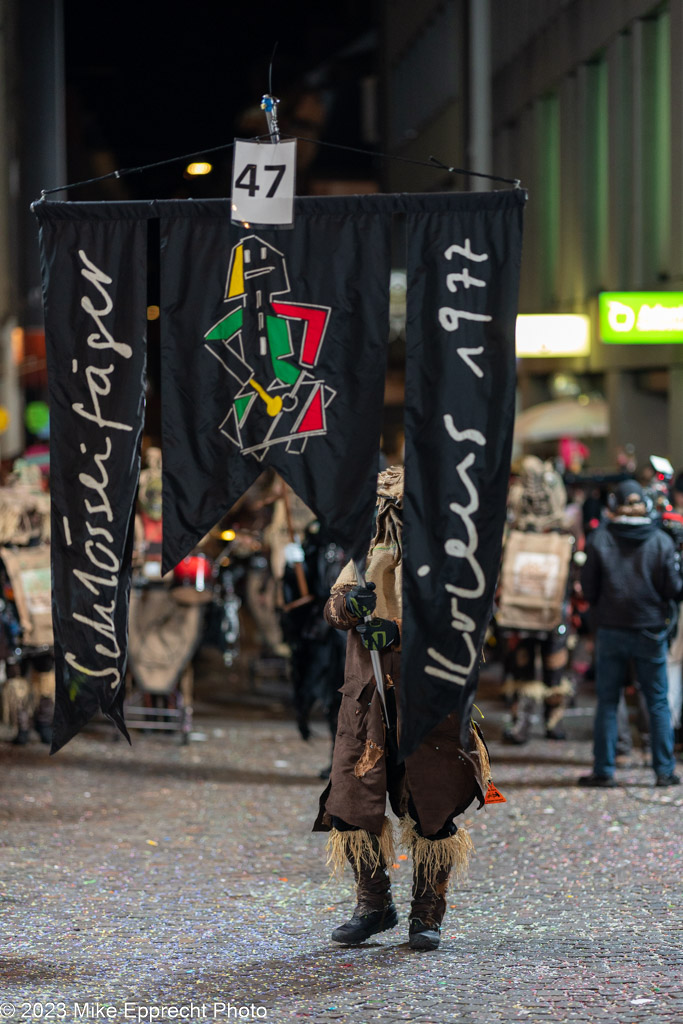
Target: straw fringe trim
x=533 y=688
x=360 y=847
x=483 y=757
x=536 y=689
x=435 y=855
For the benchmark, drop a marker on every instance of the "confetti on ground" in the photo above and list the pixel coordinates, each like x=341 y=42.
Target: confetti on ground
x=571 y=912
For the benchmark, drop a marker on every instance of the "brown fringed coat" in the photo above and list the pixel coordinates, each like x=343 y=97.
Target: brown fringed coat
x=441 y=778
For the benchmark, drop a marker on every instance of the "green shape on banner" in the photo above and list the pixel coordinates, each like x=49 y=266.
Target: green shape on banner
x=226 y=328
x=280 y=346
x=241 y=406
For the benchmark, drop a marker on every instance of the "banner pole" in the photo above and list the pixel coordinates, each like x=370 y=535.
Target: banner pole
x=374 y=655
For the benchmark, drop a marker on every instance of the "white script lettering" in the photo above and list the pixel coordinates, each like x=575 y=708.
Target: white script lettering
x=454 y=547
x=104 y=389
x=98 y=278
x=98 y=550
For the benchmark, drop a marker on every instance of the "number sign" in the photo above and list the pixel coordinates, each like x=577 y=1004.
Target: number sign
x=263 y=183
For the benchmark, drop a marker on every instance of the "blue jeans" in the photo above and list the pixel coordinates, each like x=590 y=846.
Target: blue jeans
x=615 y=648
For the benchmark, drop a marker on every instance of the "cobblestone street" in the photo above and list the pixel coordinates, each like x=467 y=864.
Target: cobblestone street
x=183 y=882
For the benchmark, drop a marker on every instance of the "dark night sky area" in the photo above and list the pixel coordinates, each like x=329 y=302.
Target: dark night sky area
x=146 y=82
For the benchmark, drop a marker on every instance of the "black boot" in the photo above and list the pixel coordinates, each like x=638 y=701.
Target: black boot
x=375 y=911
x=365 y=923
x=433 y=861
x=42 y=720
x=524 y=711
x=427 y=908
x=22 y=737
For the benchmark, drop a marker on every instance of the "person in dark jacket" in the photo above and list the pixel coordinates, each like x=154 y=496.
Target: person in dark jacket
x=631 y=577
x=318 y=649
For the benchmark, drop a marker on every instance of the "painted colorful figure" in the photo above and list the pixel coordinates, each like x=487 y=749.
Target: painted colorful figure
x=271 y=348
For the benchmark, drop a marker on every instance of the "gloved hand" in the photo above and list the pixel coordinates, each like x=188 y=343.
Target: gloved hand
x=361 y=601
x=377 y=634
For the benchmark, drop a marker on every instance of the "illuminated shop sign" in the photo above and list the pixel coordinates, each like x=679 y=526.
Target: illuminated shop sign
x=641 y=318
x=540 y=335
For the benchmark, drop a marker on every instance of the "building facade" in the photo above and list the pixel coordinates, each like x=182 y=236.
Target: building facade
x=32 y=157
x=582 y=102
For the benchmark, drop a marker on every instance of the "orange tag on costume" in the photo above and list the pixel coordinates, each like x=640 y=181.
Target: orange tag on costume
x=494 y=796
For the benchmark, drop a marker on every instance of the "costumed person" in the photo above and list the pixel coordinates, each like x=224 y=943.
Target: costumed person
x=166 y=615
x=669 y=511
x=148 y=526
x=252 y=517
x=664 y=515
x=675 y=657
x=318 y=650
x=573 y=454
x=426 y=790
x=533 y=605
x=27 y=676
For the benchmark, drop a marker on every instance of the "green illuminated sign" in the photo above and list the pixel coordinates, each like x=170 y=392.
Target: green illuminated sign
x=641 y=318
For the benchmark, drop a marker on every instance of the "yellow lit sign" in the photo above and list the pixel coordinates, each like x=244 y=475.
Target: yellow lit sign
x=559 y=334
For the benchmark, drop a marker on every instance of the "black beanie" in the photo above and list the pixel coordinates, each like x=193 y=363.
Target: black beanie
x=627 y=489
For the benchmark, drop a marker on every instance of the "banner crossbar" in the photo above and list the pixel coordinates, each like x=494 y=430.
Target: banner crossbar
x=432 y=163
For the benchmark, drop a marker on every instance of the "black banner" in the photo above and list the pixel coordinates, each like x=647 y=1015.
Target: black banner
x=94 y=291
x=464 y=257
x=274 y=350
x=273 y=354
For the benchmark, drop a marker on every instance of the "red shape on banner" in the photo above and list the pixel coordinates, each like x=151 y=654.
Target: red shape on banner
x=315 y=317
x=313 y=417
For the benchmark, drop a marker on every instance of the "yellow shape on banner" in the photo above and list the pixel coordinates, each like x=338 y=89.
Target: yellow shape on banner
x=4 y=419
x=273 y=402
x=237 y=273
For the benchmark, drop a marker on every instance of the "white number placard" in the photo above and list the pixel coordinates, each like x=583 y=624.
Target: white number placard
x=263 y=183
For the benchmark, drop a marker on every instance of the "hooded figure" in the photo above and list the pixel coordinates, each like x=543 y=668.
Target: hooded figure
x=427 y=790
x=536 y=505
x=631 y=576
x=538 y=499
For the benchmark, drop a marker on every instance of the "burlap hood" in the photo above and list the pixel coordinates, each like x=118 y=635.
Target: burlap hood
x=384 y=563
x=537 y=501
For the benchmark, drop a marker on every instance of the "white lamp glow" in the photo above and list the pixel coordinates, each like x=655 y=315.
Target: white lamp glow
x=557 y=334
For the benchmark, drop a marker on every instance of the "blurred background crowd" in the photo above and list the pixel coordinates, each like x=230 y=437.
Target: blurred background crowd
x=242 y=614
